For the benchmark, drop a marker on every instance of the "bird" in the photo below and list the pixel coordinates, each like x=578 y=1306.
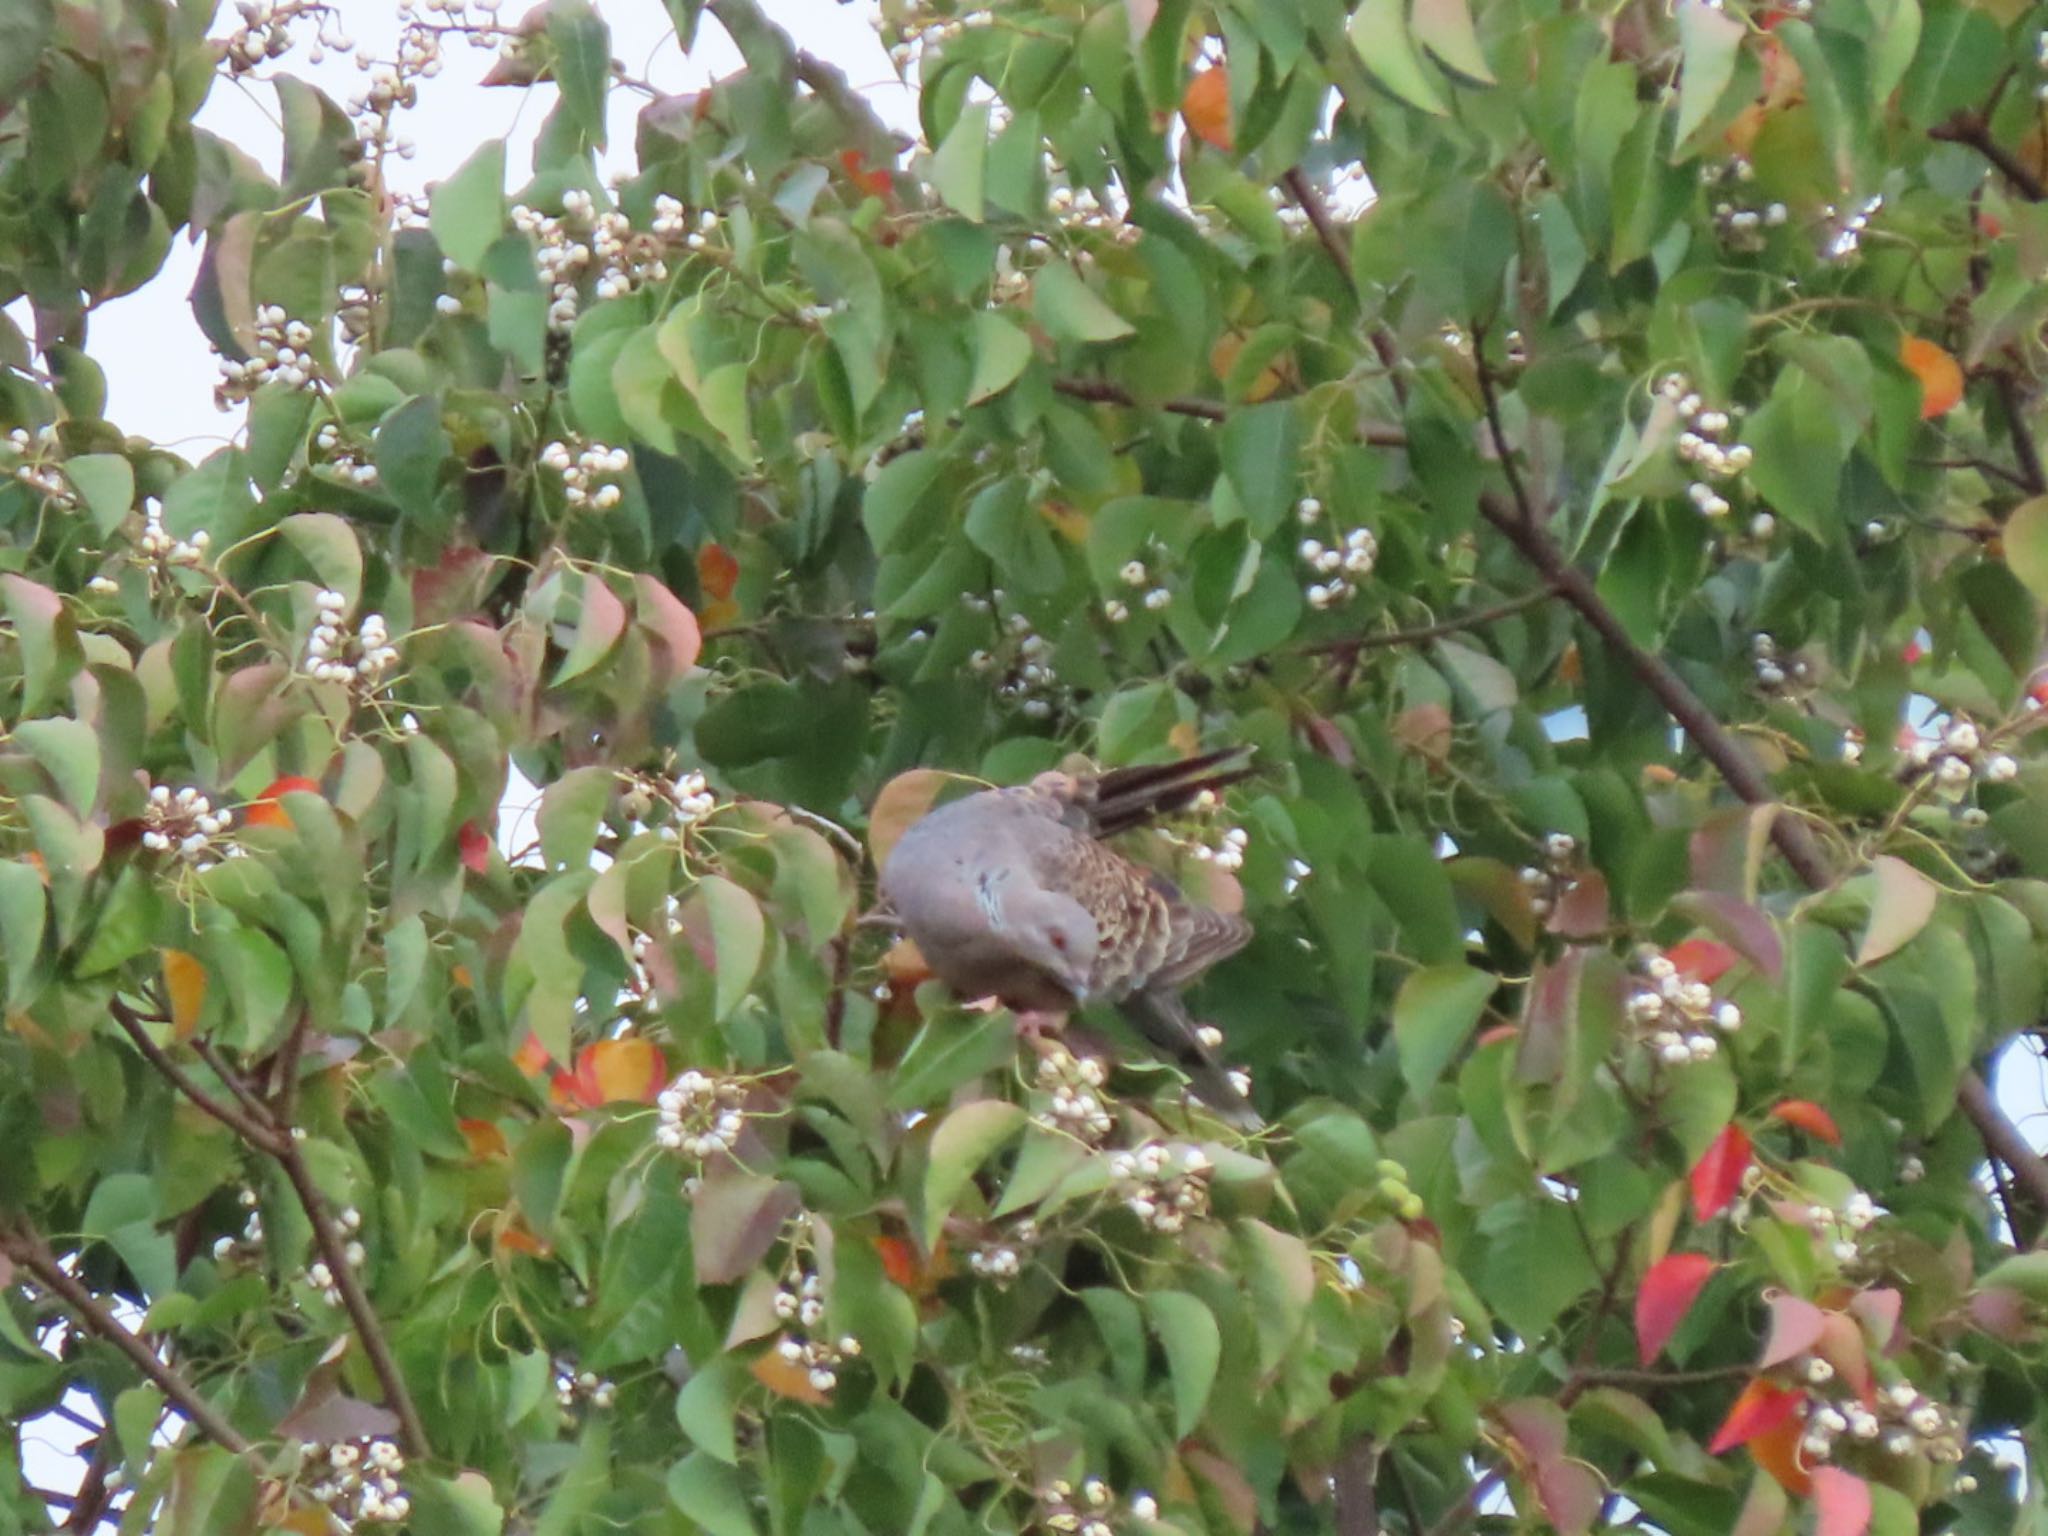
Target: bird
x=1012 y=893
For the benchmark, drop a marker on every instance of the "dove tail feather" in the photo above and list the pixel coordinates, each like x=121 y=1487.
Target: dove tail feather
x=1126 y=797
x=1162 y=1018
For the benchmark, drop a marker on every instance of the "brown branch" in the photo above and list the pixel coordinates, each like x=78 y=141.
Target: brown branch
x=745 y=22
x=1503 y=450
x=260 y=1136
x=1303 y=191
x=1648 y=1380
x=1423 y=634
x=1357 y=1503
x=2003 y=1140
x=1974 y=131
x=28 y=1250
x=1102 y=392
x=2024 y=448
x=256 y=1108
x=334 y=1250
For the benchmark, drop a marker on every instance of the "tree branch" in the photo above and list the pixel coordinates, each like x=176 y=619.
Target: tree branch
x=28 y=1250
x=1358 y=1505
x=2003 y=1140
x=748 y=24
x=1102 y=392
x=260 y=1136
x=334 y=1250
x=1303 y=191
x=1478 y=619
x=1971 y=129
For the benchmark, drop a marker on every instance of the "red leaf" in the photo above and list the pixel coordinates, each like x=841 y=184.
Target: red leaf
x=266 y=812
x=1841 y=1500
x=1810 y=1118
x=1796 y=1326
x=1761 y=1406
x=1717 y=1177
x=1702 y=959
x=1667 y=1294
x=475 y=844
x=717 y=571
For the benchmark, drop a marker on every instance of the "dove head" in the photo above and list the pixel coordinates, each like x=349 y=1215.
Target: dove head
x=1052 y=932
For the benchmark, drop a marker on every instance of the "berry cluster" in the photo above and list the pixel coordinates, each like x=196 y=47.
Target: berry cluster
x=1901 y=1422
x=360 y=1481
x=157 y=547
x=1740 y=224
x=321 y=1277
x=46 y=479
x=800 y=1304
x=184 y=823
x=1001 y=1262
x=573 y=1386
x=1775 y=673
x=589 y=474
x=1957 y=759
x=283 y=355
x=1547 y=883
x=1090 y=1510
x=1701 y=445
x=265 y=32
x=1840 y=1229
x=1333 y=570
x=248 y=1247
x=344 y=457
x=1030 y=681
x=1394 y=1189
x=1680 y=1020
x=1164 y=1186
x=1075 y=1084
x=333 y=656
x=701 y=1115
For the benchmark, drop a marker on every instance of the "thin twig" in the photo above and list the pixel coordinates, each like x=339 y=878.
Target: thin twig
x=1102 y=392
x=28 y=1250
x=1503 y=450
x=1982 y=466
x=745 y=22
x=1971 y=129
x=256 y=1135
x=1652 y=1379
x=1423 y=634
x=2003 y=1140
x=256 y=1108
x=334 y=1249
x=2024 y=448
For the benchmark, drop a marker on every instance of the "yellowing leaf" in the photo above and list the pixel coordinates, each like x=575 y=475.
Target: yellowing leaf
x=2026 y=545
x=1904 y=902
x=1205 y=107
x=1940 y=375
x=185 y=989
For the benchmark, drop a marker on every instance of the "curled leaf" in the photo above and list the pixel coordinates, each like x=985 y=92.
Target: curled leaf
x=1808 y=1117
x=1716 y=1178
x=1665 y=1296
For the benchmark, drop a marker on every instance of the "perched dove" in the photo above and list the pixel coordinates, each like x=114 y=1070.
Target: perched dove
x=1010 y=893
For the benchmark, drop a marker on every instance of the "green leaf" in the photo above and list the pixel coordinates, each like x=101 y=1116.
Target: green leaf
x=461 y=1506
x=1261 y=447
x=738 y=935
x=959 y=1146
x=2026 y=545
x=1379 y=33
x=468 y=209
x=1001 y=352
x=708 y=1404
x=46 y=637
x=106 y=482
x=709 y=1493
x=69 y=752
x=947 y=1053
x=959 y=163
x=1445 y=28
x=24 y=912
x=1900 y=905
x=2026 y=1273
x=328 y=544
x=411 y=449
x=1710 y=39
x=571 y=810
x=1434 y=1014
x=1002 y=524
x=1069 y=310
x=600 y=620
x=1194 y=1346
x=583 y=53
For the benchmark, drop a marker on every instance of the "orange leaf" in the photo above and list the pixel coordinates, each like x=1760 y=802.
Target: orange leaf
x=1667 y=1294
x=1841 y=1502
x=1206 y=107
x=474 y=844
x=519 y=1240
x=1810 y=1118
x=1704 y=960
x=1717 y=1176
x=459 y=974
x=785 y=1379
x=1776 y=1450
x=531 y=1056
x=874 y=182
x=185 y=987
x=717 y=571
x=266 y=812
x=616 y=1071
x=1760 y=1407
x=910 y=1269
x=484 y=1138
x=1940 y=375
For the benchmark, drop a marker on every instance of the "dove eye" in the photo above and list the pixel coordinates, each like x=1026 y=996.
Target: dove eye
x=1059 y=939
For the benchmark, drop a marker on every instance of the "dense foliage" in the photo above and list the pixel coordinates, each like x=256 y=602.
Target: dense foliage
x=1622 y=535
